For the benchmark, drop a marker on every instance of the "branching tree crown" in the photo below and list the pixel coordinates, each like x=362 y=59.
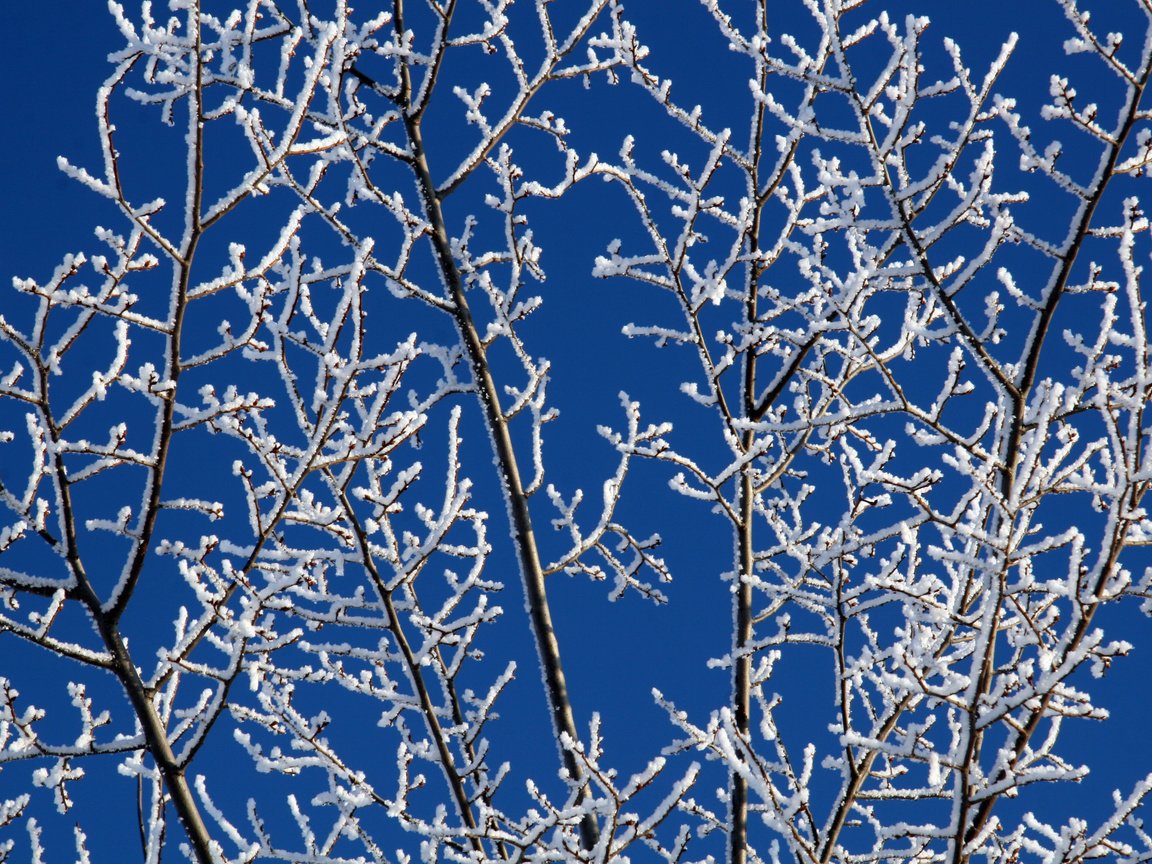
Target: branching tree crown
x=895 y=372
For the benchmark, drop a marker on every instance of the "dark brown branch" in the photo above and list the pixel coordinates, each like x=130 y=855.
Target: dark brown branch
x=531 y=569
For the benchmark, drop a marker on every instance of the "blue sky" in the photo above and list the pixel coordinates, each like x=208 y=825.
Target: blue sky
x=615 y=653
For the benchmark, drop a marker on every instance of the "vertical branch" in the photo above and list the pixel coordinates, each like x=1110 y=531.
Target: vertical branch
x=1056 y=289
x=742 y=597
x=741 y=655
x=156 y=734
x=972 y=826
x=107 y=615
x=524 y=536
x=531 y=568
x=415 y=675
